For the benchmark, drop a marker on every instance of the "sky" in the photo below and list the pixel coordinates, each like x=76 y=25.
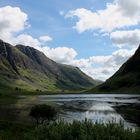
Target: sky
x=97 y=36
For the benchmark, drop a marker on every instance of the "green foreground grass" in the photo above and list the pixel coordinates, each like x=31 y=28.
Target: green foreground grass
x=85 y=130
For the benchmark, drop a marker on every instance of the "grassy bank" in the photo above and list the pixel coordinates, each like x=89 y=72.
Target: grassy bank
x=85 y=130
x=13 y=91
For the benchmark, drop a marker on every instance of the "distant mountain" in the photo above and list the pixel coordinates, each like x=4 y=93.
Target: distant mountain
x=27 y=68
x=126 y=79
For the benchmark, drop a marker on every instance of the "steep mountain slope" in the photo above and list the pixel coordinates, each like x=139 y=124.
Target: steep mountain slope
x=27 y=68
x=126 y=79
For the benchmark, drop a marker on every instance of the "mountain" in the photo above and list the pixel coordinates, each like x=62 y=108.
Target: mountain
x=126 y=79
x=27 y=68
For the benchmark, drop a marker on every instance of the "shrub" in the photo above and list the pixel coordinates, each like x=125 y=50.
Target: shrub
x=18 y=89
x=37 y=90
x=43 y=113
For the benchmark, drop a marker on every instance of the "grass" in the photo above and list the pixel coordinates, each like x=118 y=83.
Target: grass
x=27 y=90
x=13 y=131
x=7 y=99
x=5 y=90
x=85 y=130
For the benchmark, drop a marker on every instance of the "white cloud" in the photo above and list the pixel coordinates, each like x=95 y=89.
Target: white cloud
x=100 y=73
x=119 y=57
x=27 y=40
x=45 y=38
x=99 y=59
x=129 y=38
x=61 y=13
x=102 y=67
x=130 y=7
x=106 y=20
x=60 y=54
x=81 y=63
x=12 y=19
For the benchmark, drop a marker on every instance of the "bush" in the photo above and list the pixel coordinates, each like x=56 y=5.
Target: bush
x=18 y=89
x=43 y=113
x=37 y=90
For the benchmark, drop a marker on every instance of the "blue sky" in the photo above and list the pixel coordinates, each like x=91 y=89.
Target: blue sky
x=93 y=44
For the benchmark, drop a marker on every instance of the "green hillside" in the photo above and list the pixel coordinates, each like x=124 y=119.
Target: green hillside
x=126 y=79
x=27 y=68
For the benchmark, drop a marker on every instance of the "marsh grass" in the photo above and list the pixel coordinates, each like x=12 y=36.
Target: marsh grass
x=84 y=130
x=61 y=130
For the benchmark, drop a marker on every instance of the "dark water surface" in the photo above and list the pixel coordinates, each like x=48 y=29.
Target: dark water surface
x=96 y=107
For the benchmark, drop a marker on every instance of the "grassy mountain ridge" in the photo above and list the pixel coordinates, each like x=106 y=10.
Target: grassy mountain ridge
x=27 y=68
x=126 y=79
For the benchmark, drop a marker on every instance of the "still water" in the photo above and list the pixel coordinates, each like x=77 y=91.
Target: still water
x=96 y=107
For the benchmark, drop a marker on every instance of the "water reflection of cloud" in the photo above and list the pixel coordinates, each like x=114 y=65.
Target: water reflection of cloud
x=101 y=107
x=103 y=116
